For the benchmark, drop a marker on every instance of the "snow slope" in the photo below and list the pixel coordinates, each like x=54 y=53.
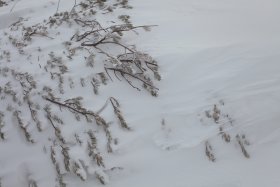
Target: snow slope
x=211 y=52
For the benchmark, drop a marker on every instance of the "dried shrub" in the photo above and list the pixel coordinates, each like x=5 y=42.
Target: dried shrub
x=41 y=89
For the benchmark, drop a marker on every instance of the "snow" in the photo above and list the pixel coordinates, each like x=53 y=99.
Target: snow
x=210 y=52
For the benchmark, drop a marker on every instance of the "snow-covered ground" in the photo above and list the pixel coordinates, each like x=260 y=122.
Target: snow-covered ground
x=211 y=53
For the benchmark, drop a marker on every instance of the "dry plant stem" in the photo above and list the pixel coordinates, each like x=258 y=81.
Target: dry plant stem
x=118 y=113
x=65 y=153
x=87 y=33
x=123 y=73
x=114 y=30
x=100 y=178
x=84 y=113
x=40 y=34
x=98 y=119
x=209 y=152
x=34 y=116
x=57 y=130
x=2 y=124
x=138 y=65
x=23 y=127
x=93 y=152
x=241 y=143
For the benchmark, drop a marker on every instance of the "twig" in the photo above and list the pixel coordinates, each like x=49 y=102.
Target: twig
x=122 y=72
x=69 y=107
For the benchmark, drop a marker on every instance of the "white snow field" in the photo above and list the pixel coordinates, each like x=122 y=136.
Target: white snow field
x=219 y=98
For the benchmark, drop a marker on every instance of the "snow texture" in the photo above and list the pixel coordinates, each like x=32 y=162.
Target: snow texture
x=215 y=122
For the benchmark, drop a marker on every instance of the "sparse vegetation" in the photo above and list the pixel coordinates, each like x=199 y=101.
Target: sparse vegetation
x=40 y=96
x=223 y=120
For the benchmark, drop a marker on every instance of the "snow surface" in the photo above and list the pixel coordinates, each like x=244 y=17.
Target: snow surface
x=210 y=52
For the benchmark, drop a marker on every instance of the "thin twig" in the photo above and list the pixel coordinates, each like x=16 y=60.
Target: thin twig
x=130 y=74
x=85 y=113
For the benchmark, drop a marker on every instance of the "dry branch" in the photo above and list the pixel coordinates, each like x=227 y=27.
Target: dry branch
x=209 y=152
x=242 y=146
